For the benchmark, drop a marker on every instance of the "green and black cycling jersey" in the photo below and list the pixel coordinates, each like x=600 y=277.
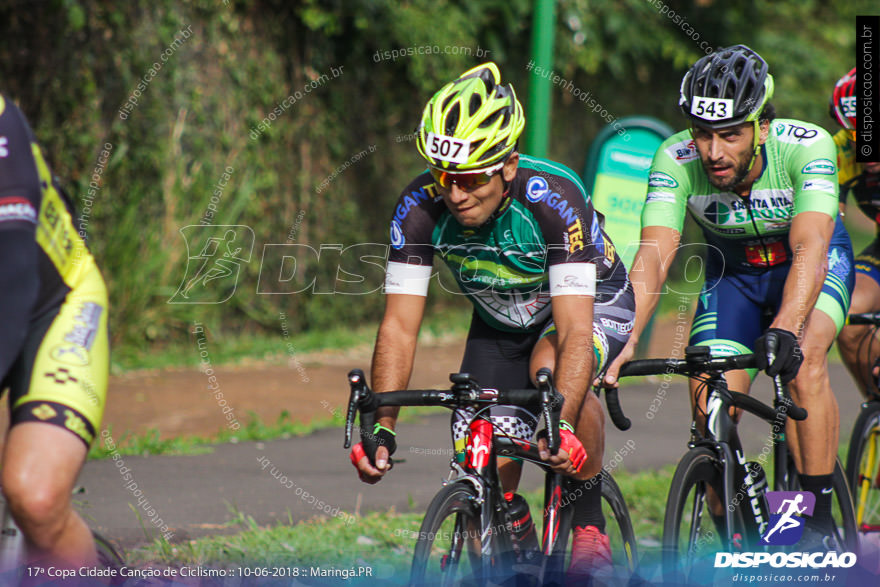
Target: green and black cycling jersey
x=799 y=174
x=545 y=239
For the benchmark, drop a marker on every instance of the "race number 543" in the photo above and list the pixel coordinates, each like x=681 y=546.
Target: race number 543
x=712 y=108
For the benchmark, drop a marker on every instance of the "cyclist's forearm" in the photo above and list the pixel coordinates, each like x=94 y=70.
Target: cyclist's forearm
x=393 y=359
x=574 y=372
x=809 y=268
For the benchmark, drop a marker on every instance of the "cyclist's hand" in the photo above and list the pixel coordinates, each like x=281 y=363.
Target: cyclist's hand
x=628 y=352
x=787 y=354
x=367 y=472
x=571 y=456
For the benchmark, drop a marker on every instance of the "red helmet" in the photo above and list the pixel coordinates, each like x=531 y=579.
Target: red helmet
x=843 y=101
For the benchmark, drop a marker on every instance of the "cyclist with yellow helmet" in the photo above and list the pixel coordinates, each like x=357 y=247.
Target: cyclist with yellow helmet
x=857 y=347
x=778 y=262
x=527 y=248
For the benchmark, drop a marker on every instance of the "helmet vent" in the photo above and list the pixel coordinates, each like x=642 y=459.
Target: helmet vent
x=452 y=119
x=474 y=104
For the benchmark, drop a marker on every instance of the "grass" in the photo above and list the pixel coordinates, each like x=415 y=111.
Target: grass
x=254 y=430
x=441 y=324
x=382 y=540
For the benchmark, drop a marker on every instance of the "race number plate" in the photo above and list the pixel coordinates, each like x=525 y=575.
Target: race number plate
x=448 y=148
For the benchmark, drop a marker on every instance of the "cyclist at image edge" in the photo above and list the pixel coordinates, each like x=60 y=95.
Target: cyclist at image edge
x=54 y=349
x=765 y=194
x=858 y=347
x=526 y=246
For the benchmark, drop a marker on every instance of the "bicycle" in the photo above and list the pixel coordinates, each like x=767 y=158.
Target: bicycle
x=465 y=537
x=13 y=562
x=692 y=533
x=862 y=470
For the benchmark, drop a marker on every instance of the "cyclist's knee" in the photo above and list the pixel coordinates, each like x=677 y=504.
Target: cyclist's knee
x=39 y=507
x=850 y=337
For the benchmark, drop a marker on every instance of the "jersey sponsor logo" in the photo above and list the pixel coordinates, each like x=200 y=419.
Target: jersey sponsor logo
x=44 y=412
x=536 y=189
x=558 y=203
x=818 y=185
x=838 y=264
x=661 y=197
x=822 y=166
x=397 y=238
x=766 y=255
x=661 y=180
x=61 y=376
x=4 y=143
x=76 y=425
x=18 y=208
x=683 y=152
x=413 y=199
x=621 y=327
x=734 y=230
x=717 y=213
x=796 y=135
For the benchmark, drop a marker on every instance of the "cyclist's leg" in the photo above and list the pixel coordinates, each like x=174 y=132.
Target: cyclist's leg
x=38 y=482
x=728 y=320
x=499 y=359
x=858 y=344
x=612 y=324
x=814 y=441
x=57 y=393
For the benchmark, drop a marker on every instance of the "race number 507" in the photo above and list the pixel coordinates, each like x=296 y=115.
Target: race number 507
x=448 y=148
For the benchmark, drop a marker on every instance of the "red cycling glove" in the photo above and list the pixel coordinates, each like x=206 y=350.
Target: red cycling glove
x=570 y=444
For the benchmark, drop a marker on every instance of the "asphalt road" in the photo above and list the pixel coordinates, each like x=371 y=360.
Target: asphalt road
x=197 y=495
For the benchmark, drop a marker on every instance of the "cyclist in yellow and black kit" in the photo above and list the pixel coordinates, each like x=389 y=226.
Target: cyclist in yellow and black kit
x=53 y=351
x=857 y=347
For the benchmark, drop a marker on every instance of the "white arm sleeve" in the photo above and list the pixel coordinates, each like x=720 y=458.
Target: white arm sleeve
x=402 y=278
x=573 y=279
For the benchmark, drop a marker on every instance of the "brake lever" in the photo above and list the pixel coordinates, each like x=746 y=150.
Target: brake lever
x=551 y=407
x=357 y=382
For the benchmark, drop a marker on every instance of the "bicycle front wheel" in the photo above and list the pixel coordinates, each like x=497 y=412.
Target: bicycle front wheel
x=863 y=468
x=694 y=525
x=448 y=550
x=622 y=537
x=108 y=557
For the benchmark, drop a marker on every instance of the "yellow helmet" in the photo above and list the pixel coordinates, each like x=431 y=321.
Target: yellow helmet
x=472 y=123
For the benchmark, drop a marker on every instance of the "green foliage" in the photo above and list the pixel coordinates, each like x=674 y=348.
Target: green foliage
x=72 y=65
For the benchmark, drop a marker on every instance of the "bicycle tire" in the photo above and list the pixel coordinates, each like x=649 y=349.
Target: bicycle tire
x=865 y=438
x=843 y=514
x=698 y=470
x=613 y=497
x=455 y=503
x=109 y=557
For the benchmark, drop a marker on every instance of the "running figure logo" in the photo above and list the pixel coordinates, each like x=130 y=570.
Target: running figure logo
x=786 y=518
x=212 y=274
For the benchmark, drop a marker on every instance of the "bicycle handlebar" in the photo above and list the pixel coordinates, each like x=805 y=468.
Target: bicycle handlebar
x=698 y=361
x=463 y=392
x=869 y=318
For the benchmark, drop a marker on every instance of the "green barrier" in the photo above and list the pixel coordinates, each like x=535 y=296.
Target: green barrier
x=616 y=174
